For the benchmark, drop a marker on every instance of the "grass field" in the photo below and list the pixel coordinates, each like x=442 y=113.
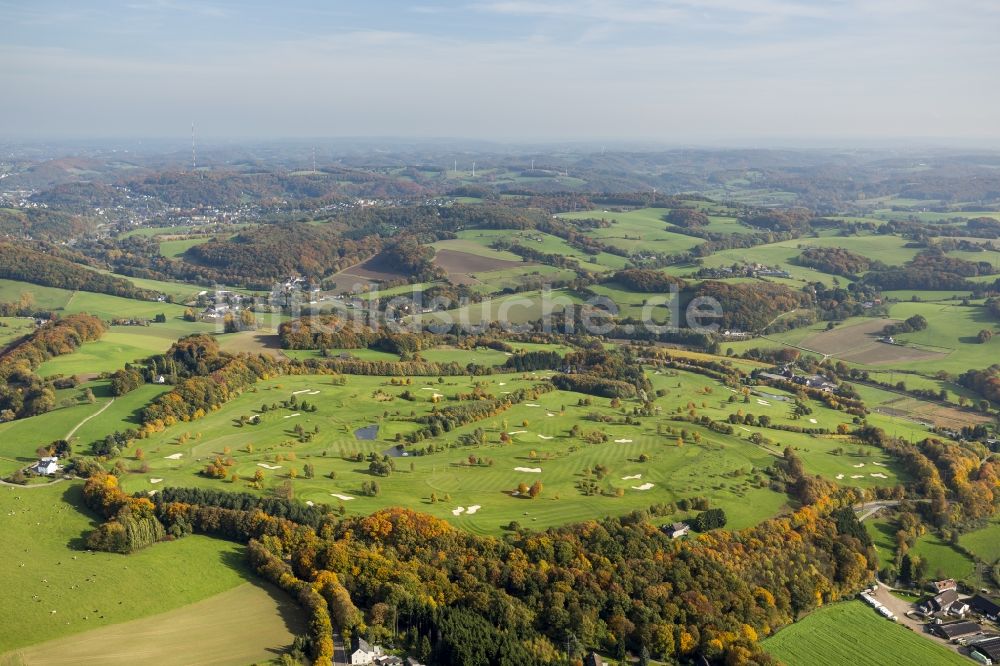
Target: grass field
x=637 y=231
x=12 y=328
x=852 y=633
x=515 y=309
x=47 y=568
x=545 y=243
x=120 y=345
x=175 y=248
x=943 y=560
x=250 y=623
x=984 y=542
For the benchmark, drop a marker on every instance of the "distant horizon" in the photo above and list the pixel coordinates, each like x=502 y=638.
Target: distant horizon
x=774 y=72
x=610 y=145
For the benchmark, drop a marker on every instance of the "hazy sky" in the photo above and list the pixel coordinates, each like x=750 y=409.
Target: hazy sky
x=673 y=70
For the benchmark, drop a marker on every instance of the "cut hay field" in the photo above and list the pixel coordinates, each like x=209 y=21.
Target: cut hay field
x=948 y=343
x=636 y=230
x=515 y=309
x=250 y=623
x=858 y=343
x=852 y=633
x=47 y=568
x=546 y=243
x=357 y=277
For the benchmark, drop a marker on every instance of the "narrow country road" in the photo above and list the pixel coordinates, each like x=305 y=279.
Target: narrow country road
x=339 y=654
x=869 y=509
x=80 y=424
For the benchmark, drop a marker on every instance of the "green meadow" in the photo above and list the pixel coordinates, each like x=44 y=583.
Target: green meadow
x=853 y=633
x=55 y=587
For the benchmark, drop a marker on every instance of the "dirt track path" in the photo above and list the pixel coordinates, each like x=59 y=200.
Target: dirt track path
x=79 y=425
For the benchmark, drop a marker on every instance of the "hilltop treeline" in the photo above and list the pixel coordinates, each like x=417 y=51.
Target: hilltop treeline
x=785 y=219
x=22 y=392
x=837 y=261
x=332 y=332
x=597 y=371
x=749 y=306
x=208 y=378
x=19 y=262
x=687 y=217
x=43 y=223
x=290 y=248
x=931 y=269
x=985 y=382
x=647 y=281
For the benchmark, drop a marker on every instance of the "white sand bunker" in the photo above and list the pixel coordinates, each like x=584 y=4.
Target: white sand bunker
x=813 y=421
x=546 y=436
x=472 y=509
x=645 y=486
x=291 y=415
x=501 y=383
x=549 y=414
x=859 y=465
x=878 y=464
x=458 y=512
x=623 y=441
x=150 y=493
x=504 y=392
x=266 y=466
x=156 y=480
x=310 y=503
x=857 y=476
x=629 y=478
x=533 y=470
x=839 y=477
x=313 y=392
x=174 y=456
x=763 y=402
x=879 y=475
x=531 y=404
x=302 y=391
x=428 y=388
x=517 y=432
x=345 y=498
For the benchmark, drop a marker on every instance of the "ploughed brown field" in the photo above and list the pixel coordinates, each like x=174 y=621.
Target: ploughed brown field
x=368 y=271
x=859 y=344
x=461 y=266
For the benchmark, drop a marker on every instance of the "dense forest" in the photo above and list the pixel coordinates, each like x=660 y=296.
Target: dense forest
x=750 y=306
x=616 y=584
x=22 y=392
x=19 y=262
x=837 y=261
